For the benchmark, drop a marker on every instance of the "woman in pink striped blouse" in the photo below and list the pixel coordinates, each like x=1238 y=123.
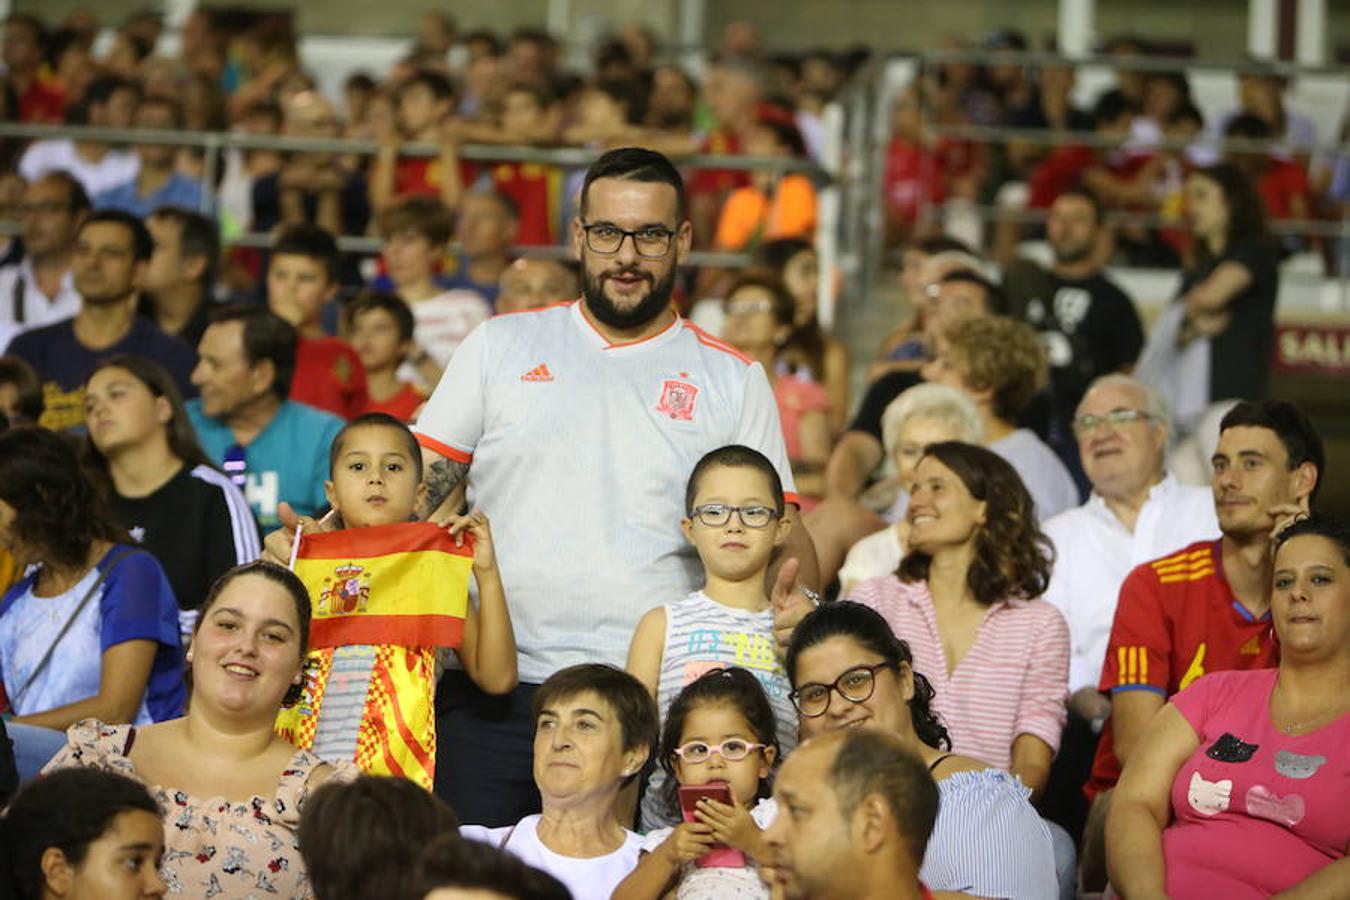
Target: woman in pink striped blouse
x=966 y=598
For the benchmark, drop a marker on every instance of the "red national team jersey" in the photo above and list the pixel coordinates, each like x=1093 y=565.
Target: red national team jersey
x=1177 y=620
x=402 y=406
x=329 y=375
x=537 y=191
x=419 y=176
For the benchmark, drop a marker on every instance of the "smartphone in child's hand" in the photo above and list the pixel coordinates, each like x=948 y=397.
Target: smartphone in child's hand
x=720 y=856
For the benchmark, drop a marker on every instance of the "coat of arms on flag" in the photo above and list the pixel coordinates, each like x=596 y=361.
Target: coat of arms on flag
x=384 y=599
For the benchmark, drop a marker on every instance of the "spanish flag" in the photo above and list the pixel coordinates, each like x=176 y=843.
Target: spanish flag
x=383 y=600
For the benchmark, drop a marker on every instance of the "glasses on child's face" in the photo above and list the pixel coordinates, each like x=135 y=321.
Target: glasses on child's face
x=732 y=750
x=715 y=515
x=856 y=686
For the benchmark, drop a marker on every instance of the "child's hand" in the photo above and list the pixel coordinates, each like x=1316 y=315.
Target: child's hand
x=475 y=523
x=688 y=842
x=731 y=825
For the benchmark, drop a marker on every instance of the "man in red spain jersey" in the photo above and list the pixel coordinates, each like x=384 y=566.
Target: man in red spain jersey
x=1206 y=607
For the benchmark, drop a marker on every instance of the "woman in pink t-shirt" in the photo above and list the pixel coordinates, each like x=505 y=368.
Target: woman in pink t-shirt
x=1241 y=786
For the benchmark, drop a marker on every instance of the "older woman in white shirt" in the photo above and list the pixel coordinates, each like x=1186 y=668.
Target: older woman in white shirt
x=925 y=414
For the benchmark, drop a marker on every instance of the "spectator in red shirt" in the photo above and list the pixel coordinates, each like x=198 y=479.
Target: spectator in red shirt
x=381 y=330
x=733 y=91
x=424 y=104
x=1282 y=182
x=914 y=187
x=302 y=277
x=41 y=98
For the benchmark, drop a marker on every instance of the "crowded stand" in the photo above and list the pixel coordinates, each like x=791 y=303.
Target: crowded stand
x=521 y=472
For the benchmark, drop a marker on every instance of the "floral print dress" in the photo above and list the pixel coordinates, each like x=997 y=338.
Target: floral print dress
x=214 y=847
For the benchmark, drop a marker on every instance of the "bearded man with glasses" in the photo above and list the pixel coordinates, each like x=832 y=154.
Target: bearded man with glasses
x=576 y=427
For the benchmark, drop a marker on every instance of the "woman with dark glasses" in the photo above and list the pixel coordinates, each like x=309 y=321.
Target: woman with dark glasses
x=848 y=670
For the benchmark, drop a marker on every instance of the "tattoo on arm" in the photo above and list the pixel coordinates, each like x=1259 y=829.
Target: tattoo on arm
x=441 y=479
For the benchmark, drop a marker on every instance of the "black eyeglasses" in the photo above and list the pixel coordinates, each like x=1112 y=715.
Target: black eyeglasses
x=606 y=238
x=856 y=686
x=715 y=515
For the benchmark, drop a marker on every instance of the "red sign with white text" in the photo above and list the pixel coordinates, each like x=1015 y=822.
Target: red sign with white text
x=1313 y=349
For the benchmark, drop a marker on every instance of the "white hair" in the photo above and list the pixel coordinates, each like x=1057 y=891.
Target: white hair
x=932 y=401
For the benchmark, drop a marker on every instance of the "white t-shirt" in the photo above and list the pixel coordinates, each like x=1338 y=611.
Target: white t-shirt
x=580 y=450
x=1047 y=479
x=721 y=882
x=18 y=288
x=117 y=167
x=877 y=554
x=588 y=879
x=441 y=323
x=1094 y=553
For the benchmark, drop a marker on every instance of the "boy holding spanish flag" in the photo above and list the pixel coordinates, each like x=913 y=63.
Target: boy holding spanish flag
x=387 y=593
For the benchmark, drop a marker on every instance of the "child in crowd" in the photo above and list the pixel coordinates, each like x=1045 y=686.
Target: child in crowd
x=380 y=327
x=530 y=114
x=735 y=521
x=774 y=205
x=302 y=283
x=416 y=231
x=375 y=478
x=720 y=730
x=759 y=323
x=424 y=105
x=810 y=350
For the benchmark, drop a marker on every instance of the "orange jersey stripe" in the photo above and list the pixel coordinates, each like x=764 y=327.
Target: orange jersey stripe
x=445 y=450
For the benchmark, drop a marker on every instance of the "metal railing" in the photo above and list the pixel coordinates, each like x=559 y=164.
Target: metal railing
x=213 y=143
x=869 y=214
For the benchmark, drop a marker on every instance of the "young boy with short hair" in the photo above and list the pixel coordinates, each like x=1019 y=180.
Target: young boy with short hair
x=302 y=280
x=380 y=327
x=375 y=479
x=734 y=518
x=424 y=106
x=530 y=114
x=416 y=231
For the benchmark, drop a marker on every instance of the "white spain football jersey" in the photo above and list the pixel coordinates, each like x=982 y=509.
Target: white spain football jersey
x=579 y=452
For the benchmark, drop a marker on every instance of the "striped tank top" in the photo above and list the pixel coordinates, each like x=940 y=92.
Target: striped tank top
x=701 y=635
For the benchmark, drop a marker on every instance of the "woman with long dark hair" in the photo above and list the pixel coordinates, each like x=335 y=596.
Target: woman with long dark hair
x=1229 y=290
x=232 y=789
x=849 y=670
x=966 y=596
x=161 y=487
x=92 y=630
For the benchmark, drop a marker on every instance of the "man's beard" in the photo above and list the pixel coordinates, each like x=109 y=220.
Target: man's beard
x=647 y=309
x=1068 y=254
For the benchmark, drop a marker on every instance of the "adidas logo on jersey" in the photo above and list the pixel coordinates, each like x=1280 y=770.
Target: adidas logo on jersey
x=538 y=373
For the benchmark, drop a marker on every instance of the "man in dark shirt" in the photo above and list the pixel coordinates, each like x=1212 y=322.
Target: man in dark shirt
x=178 y=279
x=1088 y=324
x=112 y=250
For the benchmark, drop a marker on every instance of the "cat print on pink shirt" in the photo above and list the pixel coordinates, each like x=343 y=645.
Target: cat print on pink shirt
x=1209 y=798
x=1287 y=810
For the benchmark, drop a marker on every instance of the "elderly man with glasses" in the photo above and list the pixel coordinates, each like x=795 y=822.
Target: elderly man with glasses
x=1137 y=512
